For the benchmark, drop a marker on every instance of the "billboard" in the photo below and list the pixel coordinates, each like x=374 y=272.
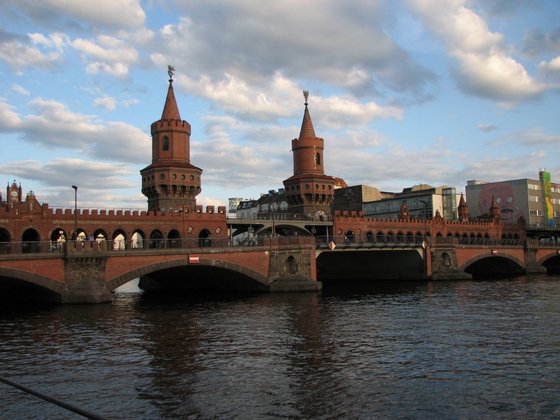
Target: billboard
x=548 y=208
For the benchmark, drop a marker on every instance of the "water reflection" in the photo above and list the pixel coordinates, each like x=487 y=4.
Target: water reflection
x=415 y=350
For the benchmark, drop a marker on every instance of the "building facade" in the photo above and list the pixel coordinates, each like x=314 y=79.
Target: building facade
x=537 y=201
x=421 y=201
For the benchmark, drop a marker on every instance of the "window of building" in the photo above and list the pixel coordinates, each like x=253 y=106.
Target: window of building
x=534 y=198
x=534 y=187
x=317 y=158
x=165 y=146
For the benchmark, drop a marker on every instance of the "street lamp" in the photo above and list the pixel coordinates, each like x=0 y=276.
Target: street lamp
x=75 y=235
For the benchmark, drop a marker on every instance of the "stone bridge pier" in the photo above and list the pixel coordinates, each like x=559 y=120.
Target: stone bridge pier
x=85 y=280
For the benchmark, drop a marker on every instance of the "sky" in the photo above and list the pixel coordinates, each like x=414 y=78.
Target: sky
x=403 y=92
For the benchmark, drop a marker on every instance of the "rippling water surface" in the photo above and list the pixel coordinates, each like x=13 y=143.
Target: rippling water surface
x=468 y=349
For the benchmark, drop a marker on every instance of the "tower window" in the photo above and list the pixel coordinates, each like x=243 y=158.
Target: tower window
x=165 y=143
x=317 y=158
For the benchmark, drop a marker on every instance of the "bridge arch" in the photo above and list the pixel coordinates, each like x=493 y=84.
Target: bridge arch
x=252 y=280
x=499 y=264
x=551 y=262
x=18 y=283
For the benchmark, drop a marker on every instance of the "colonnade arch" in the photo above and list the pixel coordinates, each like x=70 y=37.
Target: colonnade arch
x=56 y=238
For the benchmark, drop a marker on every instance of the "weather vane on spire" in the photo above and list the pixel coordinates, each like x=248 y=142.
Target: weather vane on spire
x=170 y=72
x=306 y=95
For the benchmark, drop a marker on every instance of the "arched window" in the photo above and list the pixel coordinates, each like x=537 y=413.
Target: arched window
x=165 y=143
x=30 y=241
x=4 y=239
x=204 y=238
x=156 y=239
x=174 y=238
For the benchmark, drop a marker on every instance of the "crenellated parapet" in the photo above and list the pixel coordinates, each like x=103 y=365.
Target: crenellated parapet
x=178 y=125
x=355 y=223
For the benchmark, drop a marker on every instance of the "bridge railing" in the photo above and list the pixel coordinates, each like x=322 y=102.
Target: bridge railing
x=369 y=241
x=407 y=240
x=441 y=240
x=72 y=246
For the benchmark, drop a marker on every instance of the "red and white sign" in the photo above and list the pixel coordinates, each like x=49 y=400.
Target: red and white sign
x=331 y=245
x=194 y=259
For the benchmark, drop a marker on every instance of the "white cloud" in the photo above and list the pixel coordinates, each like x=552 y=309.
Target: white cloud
x=20 y=89
x=55 y=40
x=108 y=55
x=344 y=45
x=112 y=14
x=484 y=67
x=9 y=120
x=236 y=96
x=347 y=111
x=19 y=55
x=486 y=127
x=107 y=102
x=550 y=69
x=53 y=125
x=536 y=137
x=129 y=102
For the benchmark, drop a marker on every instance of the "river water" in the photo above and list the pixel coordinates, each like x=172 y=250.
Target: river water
x=466 y=349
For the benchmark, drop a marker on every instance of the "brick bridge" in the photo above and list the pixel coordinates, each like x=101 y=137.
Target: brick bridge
x=82 y=272
x=441 y=259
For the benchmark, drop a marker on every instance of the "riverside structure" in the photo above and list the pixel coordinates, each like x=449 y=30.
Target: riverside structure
x=79 y=255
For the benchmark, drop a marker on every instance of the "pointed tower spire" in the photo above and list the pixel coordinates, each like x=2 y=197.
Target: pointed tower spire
x=170 y=109
x=309 y=191
x=463 y=210
x=405 y=214
x=171 y=182
x=307 y=130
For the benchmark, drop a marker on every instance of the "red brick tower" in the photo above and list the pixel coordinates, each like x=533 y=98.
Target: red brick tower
x=309 y=192
x=171 y=182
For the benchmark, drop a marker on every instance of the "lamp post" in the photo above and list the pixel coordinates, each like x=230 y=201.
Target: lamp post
x=75 y=235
